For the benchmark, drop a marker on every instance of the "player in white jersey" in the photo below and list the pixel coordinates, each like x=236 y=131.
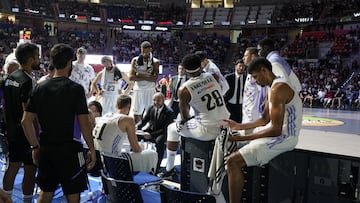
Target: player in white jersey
x=254 y=94
x=144 y=72
x=113 y=129
x=202 y=93
x=282 y=117
x=112 y=81
x=280 y=67
x=209 y=66
x=82 y=73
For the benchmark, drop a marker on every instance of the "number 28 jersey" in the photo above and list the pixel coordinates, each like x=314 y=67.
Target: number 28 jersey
x=207 y=100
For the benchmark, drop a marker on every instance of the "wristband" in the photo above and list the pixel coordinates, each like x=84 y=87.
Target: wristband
x=34 y=147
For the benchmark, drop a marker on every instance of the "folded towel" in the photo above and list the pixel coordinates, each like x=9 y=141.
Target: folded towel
x=217 y=169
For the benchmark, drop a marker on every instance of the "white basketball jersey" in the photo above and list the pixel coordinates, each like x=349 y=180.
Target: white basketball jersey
x=293 y=112
x=146 y=67
x=108 y=137
x=207 y=100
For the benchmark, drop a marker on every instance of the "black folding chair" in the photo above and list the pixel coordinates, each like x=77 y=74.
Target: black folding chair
x=120 y=168
x=173 y=195
x=121 y=190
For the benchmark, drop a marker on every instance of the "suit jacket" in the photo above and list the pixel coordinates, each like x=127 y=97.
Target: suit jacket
x=231 y=79
x=158 y=126
x=173 y=85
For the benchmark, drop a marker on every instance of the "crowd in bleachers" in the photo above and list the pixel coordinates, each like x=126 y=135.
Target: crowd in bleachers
x=172 y=13
x=328 y=79
x=291 y=10
x=43 y=7
x=94 y=41
x=338 y=9
x=76 y=8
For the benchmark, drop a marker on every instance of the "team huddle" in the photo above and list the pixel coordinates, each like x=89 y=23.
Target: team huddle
x=51 y=121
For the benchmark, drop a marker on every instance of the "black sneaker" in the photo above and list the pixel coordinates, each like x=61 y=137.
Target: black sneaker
x=168 y=175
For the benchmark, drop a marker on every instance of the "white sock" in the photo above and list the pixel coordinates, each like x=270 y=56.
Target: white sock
x=170 y=159
x=27 y=198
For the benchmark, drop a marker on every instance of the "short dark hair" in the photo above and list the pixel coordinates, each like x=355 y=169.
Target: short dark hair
x=258 y=63
x=60 y=55
x=267 y=44
x=51 y=67
x=145 y=44
x=25 y=51
x=201 y=54
x=97 y=106
x=239 y=61
x=191 y=62
x=123 y=100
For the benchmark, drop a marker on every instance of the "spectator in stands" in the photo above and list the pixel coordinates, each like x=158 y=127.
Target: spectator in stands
x=163 y=82
x=169 y=86
x=320 y=96
x=348 y=97
x=144 y=72
x=338 y=97
x=328 y=97
x=357 y=100
x=280 y=67
x=114 y=128
x=209 y=66
x=308 y=96
x=82 y=73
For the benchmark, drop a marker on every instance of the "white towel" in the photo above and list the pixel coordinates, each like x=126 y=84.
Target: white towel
x=217 y=169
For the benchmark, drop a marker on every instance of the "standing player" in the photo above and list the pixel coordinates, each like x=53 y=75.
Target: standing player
x=82 y=73
x=16 y=92
x=144 y=72
x=60 y=105
x=254 y=94
x=111 y=84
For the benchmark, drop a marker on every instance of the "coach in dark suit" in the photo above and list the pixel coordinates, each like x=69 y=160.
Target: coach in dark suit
x=233 y=97
x=154 y=124
x=176 y=82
